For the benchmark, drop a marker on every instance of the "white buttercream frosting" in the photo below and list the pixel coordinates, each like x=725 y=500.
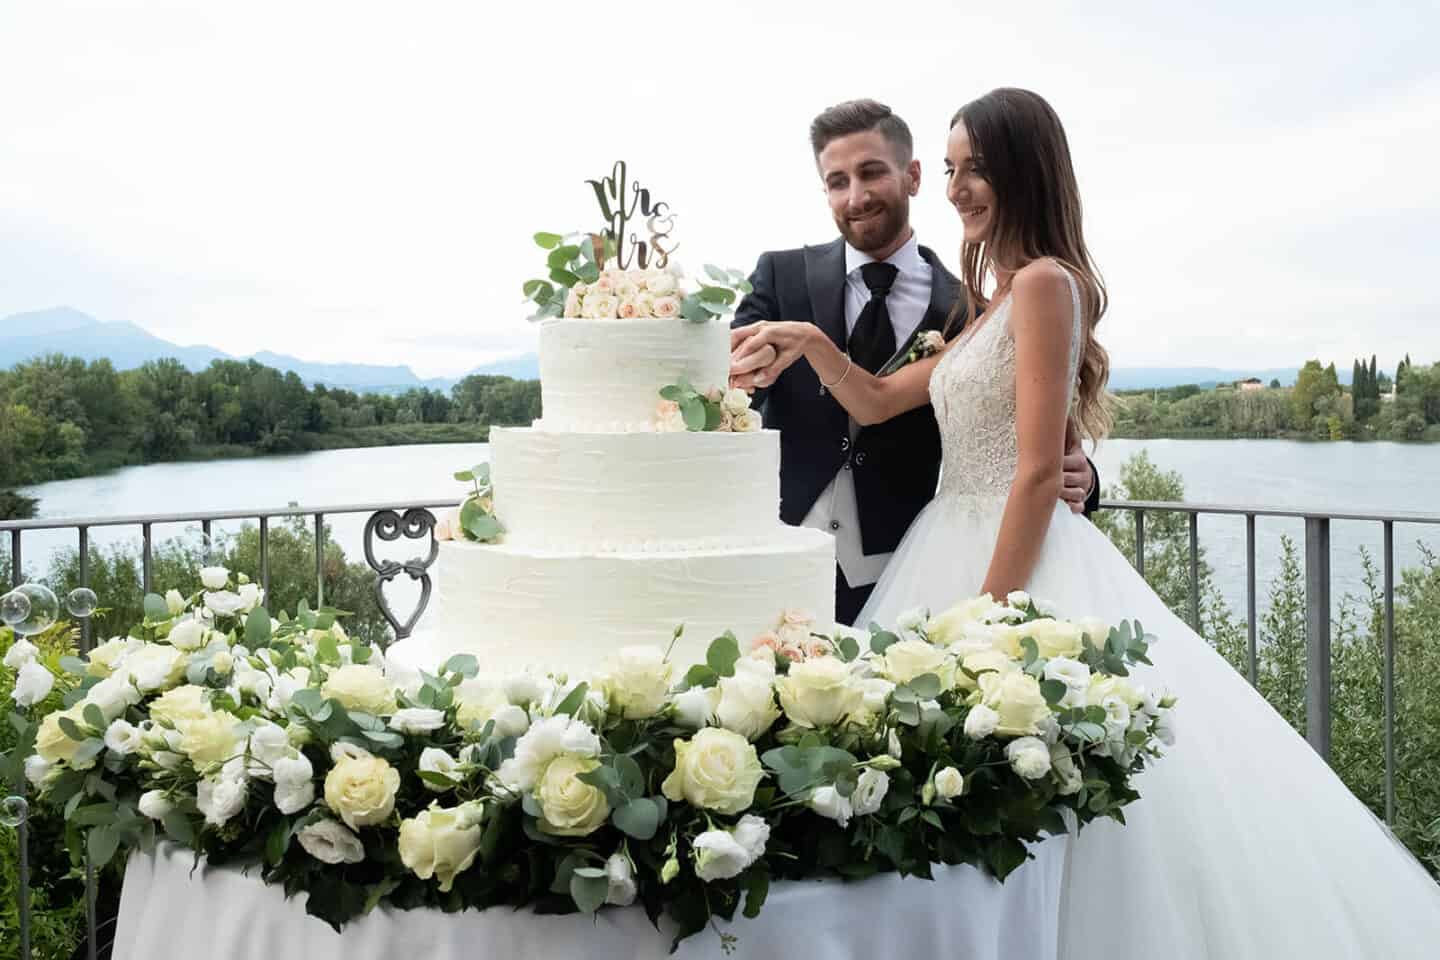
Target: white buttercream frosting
x=641 y=492
x=519 y=608
x=606 y=375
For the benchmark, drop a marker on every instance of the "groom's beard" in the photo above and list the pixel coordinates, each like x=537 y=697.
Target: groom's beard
x=878 y=231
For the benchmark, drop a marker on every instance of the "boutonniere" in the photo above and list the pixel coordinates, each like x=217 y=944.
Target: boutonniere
x=926 y=344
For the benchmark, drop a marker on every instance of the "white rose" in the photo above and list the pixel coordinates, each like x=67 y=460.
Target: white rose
x=819 y=692
x=620 y=874
x=188 y=634
x=667 y=306
x=748 y=422
x=1054 y=638
x=827 y=802
x=522 y=689
x=638 y=681
x=718 y=856
x=437 y=761
x=569 y=806
x=362 y=790
x=752 y=833
x=949 y=627
x=1029 y=757
x=416 y=720
x=220 y=800
x=600 y=306
x=294 y=783
x=981 y=722
x=212 y=738
x=37 y=768
x=572 y=304
x=1068 y=774
x=330 y=842
x=735 y=401
x=876 y=691
x=21 y=652
x=869 y=792
x=359 y=686
x=122 y=738
x=109 y=656
x=174 y=602
x=32 y=684
x=628 y=288
x=214 y=578
x=1097 y=631
x=1016 y=697
x=949 y=783
x=715 y=770
x=543 y=742
x=695 y=708
x=250 y=596
x=155 y=667
x=1103 y=686
x=154 y=804
x=1018 y=598
x=268 y=743
x=747 y=702
x=660 y=284
x=908 y=659
x=224 y=603
x=178 y=707
x=440 y=843
x=644 y=305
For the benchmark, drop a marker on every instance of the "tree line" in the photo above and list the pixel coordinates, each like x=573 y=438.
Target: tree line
x=1375 y=406
x=63 y=417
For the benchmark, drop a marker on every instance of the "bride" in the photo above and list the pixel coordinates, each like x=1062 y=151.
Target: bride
x=1245 y=844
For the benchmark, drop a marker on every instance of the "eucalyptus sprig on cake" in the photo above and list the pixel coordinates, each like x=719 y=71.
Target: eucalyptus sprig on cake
x=605 y=275
x=683 y=408
x=475 y=518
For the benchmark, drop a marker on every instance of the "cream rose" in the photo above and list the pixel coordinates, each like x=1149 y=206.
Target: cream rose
x=949 y=627
x=908 y=659
x=714 y=770
x=361 y=789
x=638 y=682
x=669 y=418
x=179 y=707
x=155 y=667
x=52 y=743
x=644 y=305
x=601 y=306
x=735 y=401
x=111 y=655
x=747 y=699
x=569 y=806
x=572 y=305
x=212 y=738
x=1103 y=686
x=544 y=741
x=819 y=692
x=440 y=843
x=747 y=421
x=1054 y=638
x=661 y=284
x=695 y=708
x=667 y=306
x=361 y=687
x=1016 y=697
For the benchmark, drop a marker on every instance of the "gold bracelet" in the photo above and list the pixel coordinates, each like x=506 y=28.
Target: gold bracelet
x=849 y=362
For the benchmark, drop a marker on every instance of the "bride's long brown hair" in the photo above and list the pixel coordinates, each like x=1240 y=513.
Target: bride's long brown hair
x=1026 y=158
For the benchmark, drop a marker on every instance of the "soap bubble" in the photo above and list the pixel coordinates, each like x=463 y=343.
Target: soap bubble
x=34 y=612
x=81 y=602
x=13 y=811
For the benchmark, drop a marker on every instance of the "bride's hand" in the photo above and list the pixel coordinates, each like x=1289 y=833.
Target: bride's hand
x=760 y=352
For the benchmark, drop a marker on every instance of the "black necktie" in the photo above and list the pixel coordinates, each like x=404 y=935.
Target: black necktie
x=872 y=342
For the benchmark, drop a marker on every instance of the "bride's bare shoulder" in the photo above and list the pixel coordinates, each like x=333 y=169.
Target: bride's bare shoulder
x=1041 y=291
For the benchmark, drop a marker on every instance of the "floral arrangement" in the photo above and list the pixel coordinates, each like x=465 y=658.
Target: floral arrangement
x=475 y=518
x=578 y=286
x=927 y=343
x=682 y=408
x=281 y=742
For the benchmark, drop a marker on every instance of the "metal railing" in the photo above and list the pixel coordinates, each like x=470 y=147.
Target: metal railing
x=413 y=520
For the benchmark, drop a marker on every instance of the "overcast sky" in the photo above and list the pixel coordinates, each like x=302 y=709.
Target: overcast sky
x=356 y=181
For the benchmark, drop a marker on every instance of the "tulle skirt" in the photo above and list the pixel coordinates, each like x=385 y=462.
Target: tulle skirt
x=1244 y=843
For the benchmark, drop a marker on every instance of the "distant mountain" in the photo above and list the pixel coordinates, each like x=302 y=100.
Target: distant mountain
x=1147 y=378
x=524 y=367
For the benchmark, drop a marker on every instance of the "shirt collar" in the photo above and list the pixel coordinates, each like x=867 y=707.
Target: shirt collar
x=907 y=259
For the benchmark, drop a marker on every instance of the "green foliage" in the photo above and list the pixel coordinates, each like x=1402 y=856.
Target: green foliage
x=1356 y=654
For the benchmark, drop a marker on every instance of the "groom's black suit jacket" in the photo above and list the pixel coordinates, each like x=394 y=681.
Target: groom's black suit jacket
x=896 y=463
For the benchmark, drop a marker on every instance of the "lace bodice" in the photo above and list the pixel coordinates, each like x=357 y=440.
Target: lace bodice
x=973 y=391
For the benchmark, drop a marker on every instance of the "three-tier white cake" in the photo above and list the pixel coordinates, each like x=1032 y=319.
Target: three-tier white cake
x=616 y=532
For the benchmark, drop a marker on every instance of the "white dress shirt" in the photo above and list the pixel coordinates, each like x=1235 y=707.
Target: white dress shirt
x=836 y=510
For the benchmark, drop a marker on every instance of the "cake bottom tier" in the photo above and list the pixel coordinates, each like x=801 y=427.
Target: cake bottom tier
x=517 y=608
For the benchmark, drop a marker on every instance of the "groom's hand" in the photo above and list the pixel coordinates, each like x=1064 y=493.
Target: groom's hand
x=1077 y=478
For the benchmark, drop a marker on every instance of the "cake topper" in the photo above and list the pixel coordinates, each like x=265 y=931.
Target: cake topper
x=620 y=199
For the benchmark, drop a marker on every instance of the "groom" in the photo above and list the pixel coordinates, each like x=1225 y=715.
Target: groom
x=873 y=290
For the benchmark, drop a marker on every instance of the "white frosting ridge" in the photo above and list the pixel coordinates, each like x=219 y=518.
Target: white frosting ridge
x=605 y=375
x=517 y=609
x=606 y=492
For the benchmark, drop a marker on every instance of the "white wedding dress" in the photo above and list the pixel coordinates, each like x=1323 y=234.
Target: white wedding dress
x=1244 y=844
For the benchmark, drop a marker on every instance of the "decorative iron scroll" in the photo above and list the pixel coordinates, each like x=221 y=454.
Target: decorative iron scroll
x=416 y=524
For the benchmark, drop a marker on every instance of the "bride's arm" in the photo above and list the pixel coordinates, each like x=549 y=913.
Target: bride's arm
x=1040 y=321
x=760 y=352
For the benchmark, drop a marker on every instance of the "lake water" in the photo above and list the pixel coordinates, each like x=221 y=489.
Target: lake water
x=1335 y=477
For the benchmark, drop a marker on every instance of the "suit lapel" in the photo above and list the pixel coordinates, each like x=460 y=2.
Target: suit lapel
x=825 y=280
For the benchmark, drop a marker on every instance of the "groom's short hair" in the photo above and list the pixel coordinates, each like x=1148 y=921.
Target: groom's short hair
x=858 y=116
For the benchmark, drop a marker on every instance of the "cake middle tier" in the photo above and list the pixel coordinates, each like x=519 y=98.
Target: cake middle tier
x=638 y=492
x=519 y=608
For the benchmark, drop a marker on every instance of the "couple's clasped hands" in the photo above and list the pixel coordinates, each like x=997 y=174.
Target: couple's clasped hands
x=760 y=352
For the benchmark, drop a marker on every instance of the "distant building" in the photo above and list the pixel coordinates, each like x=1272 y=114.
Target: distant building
x=1254 y=383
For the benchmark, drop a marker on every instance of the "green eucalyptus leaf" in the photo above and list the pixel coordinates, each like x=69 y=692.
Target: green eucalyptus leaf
x=560 y=257
x=701 y=676
x=723 y=654
x=588 y=892
x=156 y=608
x=574 y=701
x=716 y=274
x=564 y=277
x=640 y=818
x=549 y=241
x=1053 y=691
x=693 y=410
x=257 y=628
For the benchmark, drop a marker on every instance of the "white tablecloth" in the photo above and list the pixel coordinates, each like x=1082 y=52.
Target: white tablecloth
x=169 y=913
